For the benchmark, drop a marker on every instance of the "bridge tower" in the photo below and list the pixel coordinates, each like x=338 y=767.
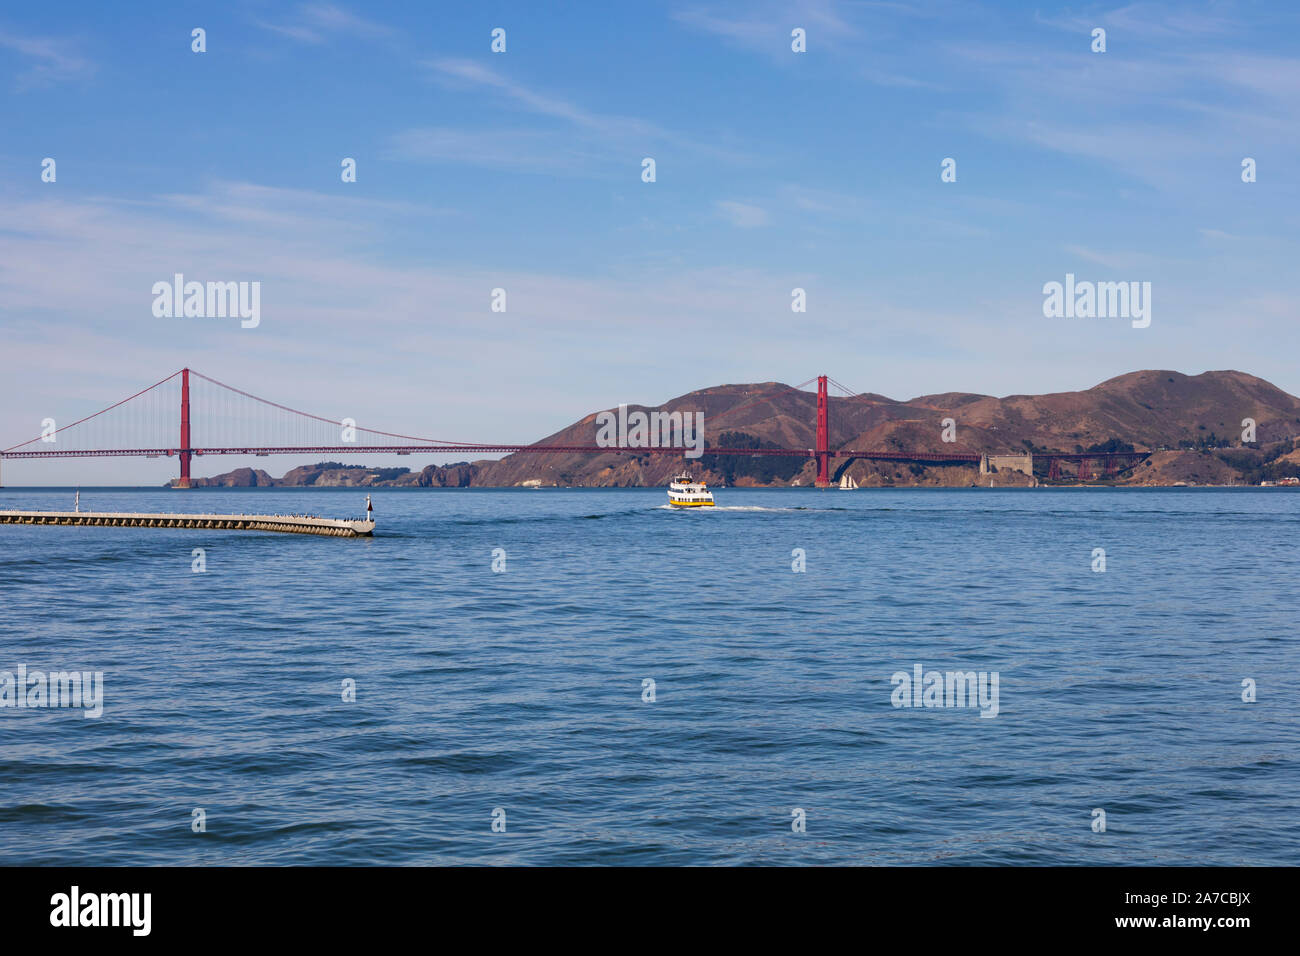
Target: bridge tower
x=823 y=436
x=185 y=451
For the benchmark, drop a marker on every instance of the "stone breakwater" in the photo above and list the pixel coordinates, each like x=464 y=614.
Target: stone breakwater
x=289 y=524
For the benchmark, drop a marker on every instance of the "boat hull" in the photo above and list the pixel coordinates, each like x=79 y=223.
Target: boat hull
x=686 y=492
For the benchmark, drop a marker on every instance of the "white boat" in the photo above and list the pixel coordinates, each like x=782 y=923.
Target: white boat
x=847 y=483
x=686 y=492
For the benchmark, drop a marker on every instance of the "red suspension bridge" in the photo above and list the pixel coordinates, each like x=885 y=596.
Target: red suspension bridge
x=235 y=422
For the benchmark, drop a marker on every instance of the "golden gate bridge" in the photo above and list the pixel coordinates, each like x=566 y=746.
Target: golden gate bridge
x=236 y=422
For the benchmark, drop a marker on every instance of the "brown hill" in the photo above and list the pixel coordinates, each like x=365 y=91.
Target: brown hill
x=1148 y=410
x=332 y=474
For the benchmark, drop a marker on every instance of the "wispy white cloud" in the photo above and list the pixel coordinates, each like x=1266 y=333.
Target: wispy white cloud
x=898 y=80
x=263 y=206
x=761 y=33
x=824 y=201
x=316 y=22
x=855 y=33
x=471 y=74
x=542 y=151
x=765 y=28
x=741 y=214
x=1172 y=118
x=47 y=60
x=577 y=140
x=1111 y=260
x=1149 y=20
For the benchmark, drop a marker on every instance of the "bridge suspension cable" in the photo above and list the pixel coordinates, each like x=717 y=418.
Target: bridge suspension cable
x=318 y=418
x=53 y=433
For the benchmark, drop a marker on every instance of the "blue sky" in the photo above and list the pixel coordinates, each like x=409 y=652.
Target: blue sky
x=522 y=170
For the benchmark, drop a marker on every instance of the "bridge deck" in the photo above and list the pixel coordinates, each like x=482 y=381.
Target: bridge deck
x=291 y=524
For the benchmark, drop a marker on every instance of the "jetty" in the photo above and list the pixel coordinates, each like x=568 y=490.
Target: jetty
x=289 y=524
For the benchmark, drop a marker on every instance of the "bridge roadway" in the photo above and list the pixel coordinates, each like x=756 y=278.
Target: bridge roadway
x=955 y=456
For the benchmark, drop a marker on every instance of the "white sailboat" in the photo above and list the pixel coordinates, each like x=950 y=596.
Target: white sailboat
x=847 y=483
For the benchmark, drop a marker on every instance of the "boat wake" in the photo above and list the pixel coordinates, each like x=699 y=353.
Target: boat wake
x=717 y=508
